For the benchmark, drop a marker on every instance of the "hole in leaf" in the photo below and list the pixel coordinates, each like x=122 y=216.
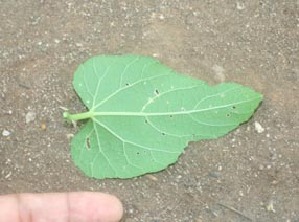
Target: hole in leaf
x=157 y=92
x=87 y=143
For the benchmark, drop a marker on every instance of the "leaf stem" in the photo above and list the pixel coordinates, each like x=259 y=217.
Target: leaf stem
x=78 y=116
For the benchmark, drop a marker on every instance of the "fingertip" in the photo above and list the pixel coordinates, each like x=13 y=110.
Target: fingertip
x=98 y=205
x=117 y=208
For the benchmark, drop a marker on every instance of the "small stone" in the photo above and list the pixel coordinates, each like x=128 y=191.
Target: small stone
x=219 y=73
x=5 y=133
x=241 y=193
x=9 y=112
x=258 y=127
x=219 y=168
x=270 y=207
x=78 y=44
x=43 y=126
x=151 y=177
x=240 y=6
x=215 y=174
x=261 y=167
x=30 y=116
x=161 y=17
x=69 y=136
x=7 y=175
x=156 y=55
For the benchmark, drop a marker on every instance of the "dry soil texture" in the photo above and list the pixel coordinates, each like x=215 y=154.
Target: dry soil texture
x=249 y=175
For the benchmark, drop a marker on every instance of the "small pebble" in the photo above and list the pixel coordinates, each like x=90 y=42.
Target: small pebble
x=43 y=126
x=270 y=207
x=151 y=177
x=261 y=167
x=241 y=194
x=219 y=73
x=240 y=6
x=69 y=135
x=215 y=174
x=156 y=55
x=30 y=116
x=8 y=175
x=219 y=168
x=5 y=133
x=258 y=127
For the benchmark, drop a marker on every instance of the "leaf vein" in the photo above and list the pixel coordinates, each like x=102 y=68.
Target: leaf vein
x=207 y=124
x=100 y=149
x=125 y=69
x=85 y=82
x=166 y=92
x=99 y=82
x=128 y=141
x=161 y=131
x=210 y=96
x=123 y=88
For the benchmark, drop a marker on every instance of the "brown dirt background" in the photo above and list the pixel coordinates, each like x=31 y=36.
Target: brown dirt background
x=244 y=176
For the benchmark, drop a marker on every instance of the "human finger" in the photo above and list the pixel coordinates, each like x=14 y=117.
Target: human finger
x=60 y=207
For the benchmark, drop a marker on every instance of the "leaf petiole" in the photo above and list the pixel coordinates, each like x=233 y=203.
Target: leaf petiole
x=78 y=116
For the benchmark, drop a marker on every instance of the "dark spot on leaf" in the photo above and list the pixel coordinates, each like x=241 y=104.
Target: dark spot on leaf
x=170 y=116
x=157 y=92
x=87 y=143
x=228 y=115
x=137 y=153
x=127 y=84
x=233 y=107
x=163 y=134
x=145 y=121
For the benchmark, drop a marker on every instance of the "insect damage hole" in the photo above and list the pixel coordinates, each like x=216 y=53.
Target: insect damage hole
x=87 y=141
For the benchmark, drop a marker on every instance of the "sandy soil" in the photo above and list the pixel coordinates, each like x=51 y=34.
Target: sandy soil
x=249 y=175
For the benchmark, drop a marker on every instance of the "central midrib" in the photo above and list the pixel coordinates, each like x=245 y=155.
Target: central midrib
x=184 y=112
x=93 y=114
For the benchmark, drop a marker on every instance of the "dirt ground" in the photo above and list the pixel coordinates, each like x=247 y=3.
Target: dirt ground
x=249 y=175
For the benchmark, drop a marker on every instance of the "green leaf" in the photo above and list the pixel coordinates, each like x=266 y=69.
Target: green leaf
x=142 y=114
